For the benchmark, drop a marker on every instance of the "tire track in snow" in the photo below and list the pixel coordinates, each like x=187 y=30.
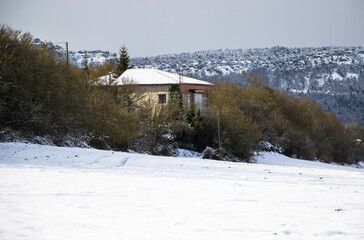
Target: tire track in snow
x=123 y=162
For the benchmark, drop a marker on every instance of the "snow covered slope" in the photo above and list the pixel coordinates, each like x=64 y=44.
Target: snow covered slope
x=78 y=58
x=70 y=193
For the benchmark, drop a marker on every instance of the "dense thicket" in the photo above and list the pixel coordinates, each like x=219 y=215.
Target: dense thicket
x=41 y=95
x=298 y=126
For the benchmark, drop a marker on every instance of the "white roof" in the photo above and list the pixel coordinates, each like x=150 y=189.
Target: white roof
x=150 y=76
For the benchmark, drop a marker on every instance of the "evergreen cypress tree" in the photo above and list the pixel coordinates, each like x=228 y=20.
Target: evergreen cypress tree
x=122 y=64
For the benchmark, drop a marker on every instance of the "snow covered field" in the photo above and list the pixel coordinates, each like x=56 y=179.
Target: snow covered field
x=71 y=193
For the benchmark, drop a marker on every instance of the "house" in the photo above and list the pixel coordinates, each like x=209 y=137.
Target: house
x=156 y=86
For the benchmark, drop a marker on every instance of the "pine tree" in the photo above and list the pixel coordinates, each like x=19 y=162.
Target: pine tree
x=122 y=64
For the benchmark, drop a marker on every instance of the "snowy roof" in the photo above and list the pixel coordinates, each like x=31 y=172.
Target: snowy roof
x=105 y=80
x=150 y=76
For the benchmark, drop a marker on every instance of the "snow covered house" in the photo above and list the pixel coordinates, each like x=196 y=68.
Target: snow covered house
x=156 y=86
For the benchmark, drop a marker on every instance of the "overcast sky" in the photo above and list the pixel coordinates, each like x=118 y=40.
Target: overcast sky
x=154 y=27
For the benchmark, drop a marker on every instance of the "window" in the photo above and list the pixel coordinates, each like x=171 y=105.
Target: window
x=162 y=98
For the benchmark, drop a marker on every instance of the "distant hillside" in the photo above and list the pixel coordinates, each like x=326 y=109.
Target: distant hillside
x=94 y=57
x=332 y=76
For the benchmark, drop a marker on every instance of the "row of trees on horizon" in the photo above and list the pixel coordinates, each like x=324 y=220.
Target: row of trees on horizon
x=43 y=96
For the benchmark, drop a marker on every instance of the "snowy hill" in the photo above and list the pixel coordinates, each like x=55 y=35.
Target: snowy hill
x=78 y=58
x=71 y=193
x=93 y=57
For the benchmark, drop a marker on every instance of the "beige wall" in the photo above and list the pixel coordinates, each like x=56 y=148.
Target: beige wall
x=146 y=93
x=150 y=94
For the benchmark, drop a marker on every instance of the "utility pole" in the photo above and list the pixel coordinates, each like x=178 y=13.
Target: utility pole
x=110 y=79
x=67 y=53
x=218 y=128
x=180 y=77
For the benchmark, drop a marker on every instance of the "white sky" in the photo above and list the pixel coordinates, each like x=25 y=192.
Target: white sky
x=154 y=27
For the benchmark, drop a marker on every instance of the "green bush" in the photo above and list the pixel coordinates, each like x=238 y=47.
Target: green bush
x=41 y=95
x=298 y=125
x=239 y=133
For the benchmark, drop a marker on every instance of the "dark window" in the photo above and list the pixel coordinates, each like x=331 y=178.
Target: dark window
x=162 y=98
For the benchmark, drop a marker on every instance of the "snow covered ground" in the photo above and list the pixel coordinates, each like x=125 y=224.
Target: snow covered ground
x=50 y=193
